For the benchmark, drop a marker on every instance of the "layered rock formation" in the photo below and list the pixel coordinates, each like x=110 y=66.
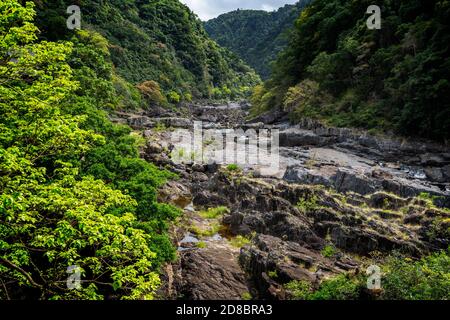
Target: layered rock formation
x=342 y=189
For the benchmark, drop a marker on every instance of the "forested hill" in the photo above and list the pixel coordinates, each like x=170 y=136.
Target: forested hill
x=159 y=40
x=337 y=70
x=256 y=36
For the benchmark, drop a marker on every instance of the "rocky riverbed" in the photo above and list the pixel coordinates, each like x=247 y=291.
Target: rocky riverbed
x=340 y=197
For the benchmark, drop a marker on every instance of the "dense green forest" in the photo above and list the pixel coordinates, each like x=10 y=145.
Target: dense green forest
x=161 y=41
x=73 y=190
x=254 y=35
x=337 y=70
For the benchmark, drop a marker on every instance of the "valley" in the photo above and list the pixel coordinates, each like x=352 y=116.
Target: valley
x=143 y=157
x=342 y=195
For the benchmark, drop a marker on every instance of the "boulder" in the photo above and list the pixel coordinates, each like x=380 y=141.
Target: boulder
x=175 y=193
x=269 y=117
x=212 y=273
x=435 y=174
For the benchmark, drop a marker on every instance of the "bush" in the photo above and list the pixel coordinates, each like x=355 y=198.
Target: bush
x=308 y=203
x=187 y=97
x=246 y=296
x=341 y=287
x=426 y=279
x=201 y=244
x=174 y=97
x=299 y=290
x=151 y=92
x=402 y=279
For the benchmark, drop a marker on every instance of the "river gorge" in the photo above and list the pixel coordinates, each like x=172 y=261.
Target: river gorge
x=343 y=198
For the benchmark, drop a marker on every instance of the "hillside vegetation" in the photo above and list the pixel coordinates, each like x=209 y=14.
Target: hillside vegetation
x=337 y=70
x=73 y=189
x=254 y=35
x=157 y=40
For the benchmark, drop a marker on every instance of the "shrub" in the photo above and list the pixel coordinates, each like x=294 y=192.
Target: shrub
x=298 y=290
x=341 y=287
x=425 y=279
x=174 y=97
x=201 y=244
x=402 y=279
x=233 y=167
x=151 y=92
x=187 y=97
x=246 y=296
x=306 y=203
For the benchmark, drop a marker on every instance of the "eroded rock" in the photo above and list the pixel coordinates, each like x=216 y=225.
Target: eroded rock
x=212 y=273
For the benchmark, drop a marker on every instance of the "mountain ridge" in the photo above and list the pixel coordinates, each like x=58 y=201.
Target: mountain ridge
x=162 y=41
x=256 y=36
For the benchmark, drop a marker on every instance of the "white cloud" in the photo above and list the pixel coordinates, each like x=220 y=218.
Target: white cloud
x=208 y=9
x=267 y=7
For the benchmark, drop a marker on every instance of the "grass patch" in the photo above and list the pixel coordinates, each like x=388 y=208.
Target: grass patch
x=328 y=251
x=239 y=241
x=213 y=213
x=299 y=290
x=233 y=167
x=209 y=232
x=201 y=244
x=246 y=296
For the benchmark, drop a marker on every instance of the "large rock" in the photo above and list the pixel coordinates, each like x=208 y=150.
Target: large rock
x=175 y=193
x=269 y=117
x=296 y=137
x=212 y=273
x=346 y=180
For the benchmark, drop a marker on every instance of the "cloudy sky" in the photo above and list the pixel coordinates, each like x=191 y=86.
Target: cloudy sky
x=208 y=9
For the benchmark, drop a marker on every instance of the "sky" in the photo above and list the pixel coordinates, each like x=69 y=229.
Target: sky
x=208 y=9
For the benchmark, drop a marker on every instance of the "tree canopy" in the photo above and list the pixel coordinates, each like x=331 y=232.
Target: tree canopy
x=395 y=78
x=73 y=191
x=155 y=40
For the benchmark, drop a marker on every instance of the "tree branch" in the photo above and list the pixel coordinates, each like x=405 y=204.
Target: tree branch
x=21 y=271
x=6 y=290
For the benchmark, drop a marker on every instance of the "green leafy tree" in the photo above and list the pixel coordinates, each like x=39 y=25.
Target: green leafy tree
x=54 y=210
